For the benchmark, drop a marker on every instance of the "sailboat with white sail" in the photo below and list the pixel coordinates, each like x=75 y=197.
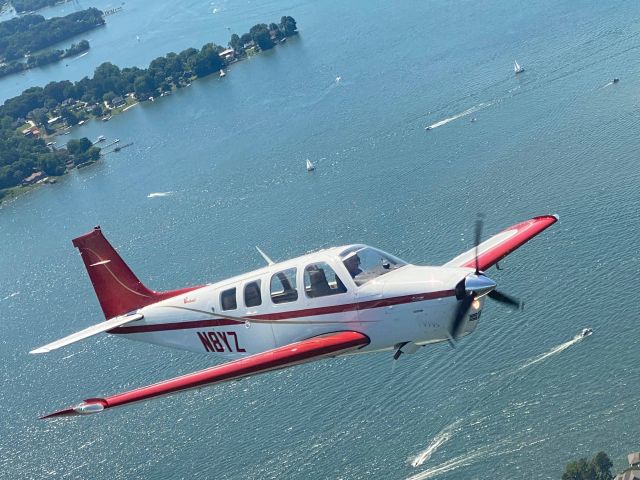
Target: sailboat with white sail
x=517 y=68
x=310 y=166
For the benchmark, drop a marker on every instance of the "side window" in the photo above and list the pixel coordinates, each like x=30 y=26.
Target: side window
x=228 y=299
x=283 y=286
x=252 y=296
x=320 y=280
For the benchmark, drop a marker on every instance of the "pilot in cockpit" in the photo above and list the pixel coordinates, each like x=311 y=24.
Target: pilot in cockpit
x=352 y=263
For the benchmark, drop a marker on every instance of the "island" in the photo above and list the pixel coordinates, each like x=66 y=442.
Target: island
x=22 y=35
x=29 y=120
x=22 y=6
x=43 y=58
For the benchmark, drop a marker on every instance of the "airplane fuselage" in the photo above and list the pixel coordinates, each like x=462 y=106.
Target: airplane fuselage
x=232 y=318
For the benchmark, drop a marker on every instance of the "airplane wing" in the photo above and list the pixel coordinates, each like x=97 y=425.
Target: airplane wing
x=326 y=345
x=494 y=249
x=89 y=331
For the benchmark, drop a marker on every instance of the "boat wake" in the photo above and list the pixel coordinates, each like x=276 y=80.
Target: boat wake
x=79 y=56
x=553 y=351
x=159 y=194
x=456 y=462
x=487 y=451
x=469 y=111
x=447 y=432
x=9 y=296
x=443 y=436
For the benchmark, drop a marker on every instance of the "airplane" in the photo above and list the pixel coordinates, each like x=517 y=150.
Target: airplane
x=337 y=301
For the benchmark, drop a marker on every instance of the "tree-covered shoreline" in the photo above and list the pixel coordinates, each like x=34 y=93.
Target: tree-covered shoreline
x=24 y=35
x=63 y=104
x=22 y=6
x=43 y=58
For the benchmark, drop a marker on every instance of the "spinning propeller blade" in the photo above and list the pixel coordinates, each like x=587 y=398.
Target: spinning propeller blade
x=478 y=239
x=476 y=286
x=506 y=299
x=461 y=313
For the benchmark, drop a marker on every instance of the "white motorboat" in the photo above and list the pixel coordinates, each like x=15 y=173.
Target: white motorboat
x=586 y=332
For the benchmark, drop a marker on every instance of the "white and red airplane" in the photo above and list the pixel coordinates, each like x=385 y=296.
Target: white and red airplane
x=337 y=301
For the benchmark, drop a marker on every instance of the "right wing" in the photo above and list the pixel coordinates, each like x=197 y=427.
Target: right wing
x=326 y=345
x=494 y=249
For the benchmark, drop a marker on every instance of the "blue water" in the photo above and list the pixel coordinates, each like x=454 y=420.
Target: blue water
x=517 y=398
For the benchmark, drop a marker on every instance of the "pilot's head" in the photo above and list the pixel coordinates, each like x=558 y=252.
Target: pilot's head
x=352 y=263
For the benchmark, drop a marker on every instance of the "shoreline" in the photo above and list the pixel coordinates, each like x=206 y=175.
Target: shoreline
x=129 y=101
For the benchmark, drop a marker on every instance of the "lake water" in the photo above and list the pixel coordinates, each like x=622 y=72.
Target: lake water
x=518 y=398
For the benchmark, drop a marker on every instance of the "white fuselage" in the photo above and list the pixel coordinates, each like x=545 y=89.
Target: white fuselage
x=409 y=304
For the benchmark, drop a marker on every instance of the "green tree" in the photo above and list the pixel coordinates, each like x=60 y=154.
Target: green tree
x=598 y=468
x=275 y=30
x=245 y=39
x=97 y=110
x=78 y=146
x=288 y=26
x=260 y=34
x=602 y=465
x=69 y=116
x=207 y=61
x=235 y=42
x=144 y=86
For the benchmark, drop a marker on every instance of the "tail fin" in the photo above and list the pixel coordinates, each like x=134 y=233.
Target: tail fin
x=118 y=289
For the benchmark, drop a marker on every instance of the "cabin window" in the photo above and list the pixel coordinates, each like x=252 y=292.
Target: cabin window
x=366 y=263
x=252 y=296
x=283 y=286
x=228 y=299
x=320 y=280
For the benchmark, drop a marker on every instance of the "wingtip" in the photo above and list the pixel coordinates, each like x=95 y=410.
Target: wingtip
x=67 y=412
x=36 y=351
x=85 y=408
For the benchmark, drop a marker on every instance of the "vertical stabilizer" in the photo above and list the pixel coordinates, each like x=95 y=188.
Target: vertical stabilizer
x=118 y=289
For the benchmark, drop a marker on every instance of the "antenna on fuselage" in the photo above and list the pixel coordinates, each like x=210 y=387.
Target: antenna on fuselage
x=265 y=256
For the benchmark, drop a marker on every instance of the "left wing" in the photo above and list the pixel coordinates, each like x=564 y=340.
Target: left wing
x=326 y=345
x=89 y=332
x=494 y=249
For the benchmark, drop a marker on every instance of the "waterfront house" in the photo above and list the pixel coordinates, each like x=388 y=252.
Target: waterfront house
x=53 y=121
x=633 y=472
x=228 y=54
x=117 y=102
x=33 y=178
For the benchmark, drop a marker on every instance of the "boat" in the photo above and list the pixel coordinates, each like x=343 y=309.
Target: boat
x=517 y=68
x=100 y=138
x=310 y=166
x=616 y=80
x=586 y=332
x=428 y=128
x=222 y=74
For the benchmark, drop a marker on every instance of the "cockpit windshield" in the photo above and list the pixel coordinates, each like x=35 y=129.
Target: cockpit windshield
x=366 y=263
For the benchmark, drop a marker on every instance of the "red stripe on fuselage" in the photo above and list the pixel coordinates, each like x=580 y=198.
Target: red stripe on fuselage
x=308 y=312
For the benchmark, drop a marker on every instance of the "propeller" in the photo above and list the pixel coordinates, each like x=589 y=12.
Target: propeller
x=506 y=299
x=467 y=290
x=477 y=240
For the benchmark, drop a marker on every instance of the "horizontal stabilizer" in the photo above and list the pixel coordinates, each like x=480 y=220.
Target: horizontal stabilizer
x=90 y=331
